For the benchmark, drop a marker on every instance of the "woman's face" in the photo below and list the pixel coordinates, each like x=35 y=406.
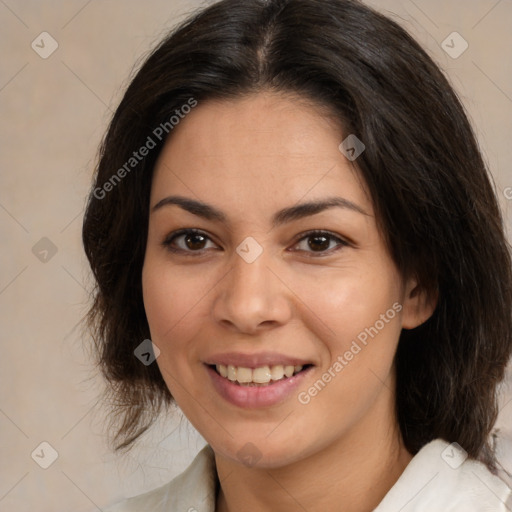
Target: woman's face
x=252 y=295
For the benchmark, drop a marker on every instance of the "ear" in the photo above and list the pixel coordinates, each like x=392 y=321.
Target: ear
x=418 y=306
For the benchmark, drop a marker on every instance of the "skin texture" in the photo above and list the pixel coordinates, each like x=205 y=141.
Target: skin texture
x=250 y=158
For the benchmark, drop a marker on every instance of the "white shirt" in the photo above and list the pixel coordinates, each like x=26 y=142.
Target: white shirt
x=437 y=479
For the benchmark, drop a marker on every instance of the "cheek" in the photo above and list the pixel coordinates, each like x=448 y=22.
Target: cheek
x=345 y=306
x=363 y=315
x=173 y=305
x=357 y=320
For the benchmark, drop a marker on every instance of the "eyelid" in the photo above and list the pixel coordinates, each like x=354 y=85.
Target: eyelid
x=185 y=231
x=342 y=242
x=319 y=232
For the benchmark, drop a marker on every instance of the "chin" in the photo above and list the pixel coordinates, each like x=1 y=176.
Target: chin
x=261 y=452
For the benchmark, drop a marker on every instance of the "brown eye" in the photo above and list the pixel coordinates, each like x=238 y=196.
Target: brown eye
x=187 y=240
x=320 y=242
x=194 y=241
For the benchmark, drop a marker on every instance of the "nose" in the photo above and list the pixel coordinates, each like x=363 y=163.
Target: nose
x=252 y=297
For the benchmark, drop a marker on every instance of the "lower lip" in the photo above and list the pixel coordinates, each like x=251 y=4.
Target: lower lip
x=254 y=397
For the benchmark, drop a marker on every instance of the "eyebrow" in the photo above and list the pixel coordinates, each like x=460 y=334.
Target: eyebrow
x=283 y=216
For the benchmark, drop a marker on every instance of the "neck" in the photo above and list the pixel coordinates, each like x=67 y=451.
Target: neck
x=353 y=474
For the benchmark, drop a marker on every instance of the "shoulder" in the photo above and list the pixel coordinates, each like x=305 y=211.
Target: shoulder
x=441 y=477
x=194 y=490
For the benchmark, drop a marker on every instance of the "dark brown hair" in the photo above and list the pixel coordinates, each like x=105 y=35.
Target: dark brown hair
x=430 y=188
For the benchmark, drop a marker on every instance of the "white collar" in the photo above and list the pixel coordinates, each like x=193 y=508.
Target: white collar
x=437 y=479
x=440 y=479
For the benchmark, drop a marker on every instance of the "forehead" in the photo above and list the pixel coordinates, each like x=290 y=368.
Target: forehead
x=267 y=147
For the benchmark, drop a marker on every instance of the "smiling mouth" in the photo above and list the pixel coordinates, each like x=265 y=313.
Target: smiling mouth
x=261 y=376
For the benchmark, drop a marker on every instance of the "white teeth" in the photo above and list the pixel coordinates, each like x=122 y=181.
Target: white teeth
x=243 y=375
x=261 y=375
x=231 y=372
x=288 y=370
x=277 y=372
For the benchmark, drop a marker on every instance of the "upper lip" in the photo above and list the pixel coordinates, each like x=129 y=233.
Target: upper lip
x=255 y=360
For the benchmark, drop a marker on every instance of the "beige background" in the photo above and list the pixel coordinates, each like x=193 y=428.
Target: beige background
x=52 y=114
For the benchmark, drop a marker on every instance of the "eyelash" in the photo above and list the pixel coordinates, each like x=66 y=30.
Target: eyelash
x=308 y=234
